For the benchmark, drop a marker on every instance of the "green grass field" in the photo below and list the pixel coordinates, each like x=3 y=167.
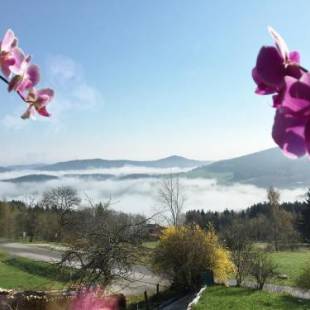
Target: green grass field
x=25 y=274
x=222 y=298
x=150 y=244
x=290 y=263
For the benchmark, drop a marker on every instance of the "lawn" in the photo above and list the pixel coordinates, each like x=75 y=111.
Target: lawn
x=290 y=263
x=25 y=274
x=150 y=244
x=222 y=298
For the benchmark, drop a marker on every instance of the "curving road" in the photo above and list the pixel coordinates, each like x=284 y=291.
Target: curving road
x=139 y=280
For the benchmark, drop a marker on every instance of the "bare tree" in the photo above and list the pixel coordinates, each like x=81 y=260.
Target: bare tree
x=262 y=268
x=171 y=197
x=62 y=200
x=106 y=246
x=237 y=238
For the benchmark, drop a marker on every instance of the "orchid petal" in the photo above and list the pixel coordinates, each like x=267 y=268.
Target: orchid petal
x=288 y=133
x=33 y=72
x=8 y=41
x=297 y=94
x=27 y=114
x=270 y=68
x=43 y=112
x=19 y=58
x=280 y=43
x=6 y=64
x=294 y=57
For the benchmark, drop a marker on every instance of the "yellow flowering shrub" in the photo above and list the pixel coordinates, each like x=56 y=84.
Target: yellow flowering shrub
x=184 y=253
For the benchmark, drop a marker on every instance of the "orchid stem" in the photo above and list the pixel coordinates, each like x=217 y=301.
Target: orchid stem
x=302 y=68
x=7 y=82
x=4 y=79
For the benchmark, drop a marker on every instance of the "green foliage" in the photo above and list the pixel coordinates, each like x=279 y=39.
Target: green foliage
x=25 y=274
x=223 y=298
x=184 y=253
x=262 y=267
x=290 y=263
x=304 y=278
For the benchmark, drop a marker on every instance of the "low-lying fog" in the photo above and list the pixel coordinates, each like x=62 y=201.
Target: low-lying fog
x=140 y=196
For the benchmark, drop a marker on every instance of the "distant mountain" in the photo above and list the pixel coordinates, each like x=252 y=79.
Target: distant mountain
x=91 y=176
x=4 y=169
x=265 y=168
x=85 y=177
x=31 y=178
x=136 y=176
x=25 y=167
x=169 y=162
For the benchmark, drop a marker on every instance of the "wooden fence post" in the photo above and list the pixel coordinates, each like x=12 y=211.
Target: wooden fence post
x=146 y=300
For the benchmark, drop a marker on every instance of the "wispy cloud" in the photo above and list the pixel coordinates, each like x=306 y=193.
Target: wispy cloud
x=73 y=93
x=13 y=121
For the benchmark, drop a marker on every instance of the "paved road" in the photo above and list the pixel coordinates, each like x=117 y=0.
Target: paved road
x=31 y=251
x=140 y=279
x=180 y=304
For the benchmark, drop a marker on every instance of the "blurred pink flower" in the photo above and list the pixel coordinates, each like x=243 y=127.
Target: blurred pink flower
x=278 y=72
x=273 y=64
x=22 y=76
x=27 y=78
x=7 y=45
x=38 y=100
x=291 y=129
x=94 y=300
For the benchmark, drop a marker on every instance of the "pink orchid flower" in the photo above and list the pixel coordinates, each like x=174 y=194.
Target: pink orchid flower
x=27 y=77
x=38 y=100
x=22 y=76
x=278 y=72
x=7 y=45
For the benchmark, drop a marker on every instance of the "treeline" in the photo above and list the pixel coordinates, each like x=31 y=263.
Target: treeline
x=57 y=217
x=290 y=221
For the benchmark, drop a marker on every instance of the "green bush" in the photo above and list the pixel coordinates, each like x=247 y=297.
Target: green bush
x=304 y=278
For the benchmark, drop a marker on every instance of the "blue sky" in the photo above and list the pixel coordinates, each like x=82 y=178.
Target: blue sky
x=146 y=79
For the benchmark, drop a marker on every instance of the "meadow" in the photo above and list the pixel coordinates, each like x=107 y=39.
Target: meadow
x=24 y=274
x=220 y=297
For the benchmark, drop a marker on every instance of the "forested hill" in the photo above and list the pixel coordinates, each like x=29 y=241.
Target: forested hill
x=265 y=168
x=168 y=162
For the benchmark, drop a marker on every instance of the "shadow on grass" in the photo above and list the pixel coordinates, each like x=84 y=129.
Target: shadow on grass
x=290 y=302
x=47 y=270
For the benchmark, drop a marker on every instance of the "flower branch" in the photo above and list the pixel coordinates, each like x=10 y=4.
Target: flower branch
x=22 y=76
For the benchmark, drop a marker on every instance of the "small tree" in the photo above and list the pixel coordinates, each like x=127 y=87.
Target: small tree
x=262 y=267
x=184 y=253
x=305 y=219
x=105 y=247
x=171 y=197
x=237 y=238
x=61 y=199
x=281 y=223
